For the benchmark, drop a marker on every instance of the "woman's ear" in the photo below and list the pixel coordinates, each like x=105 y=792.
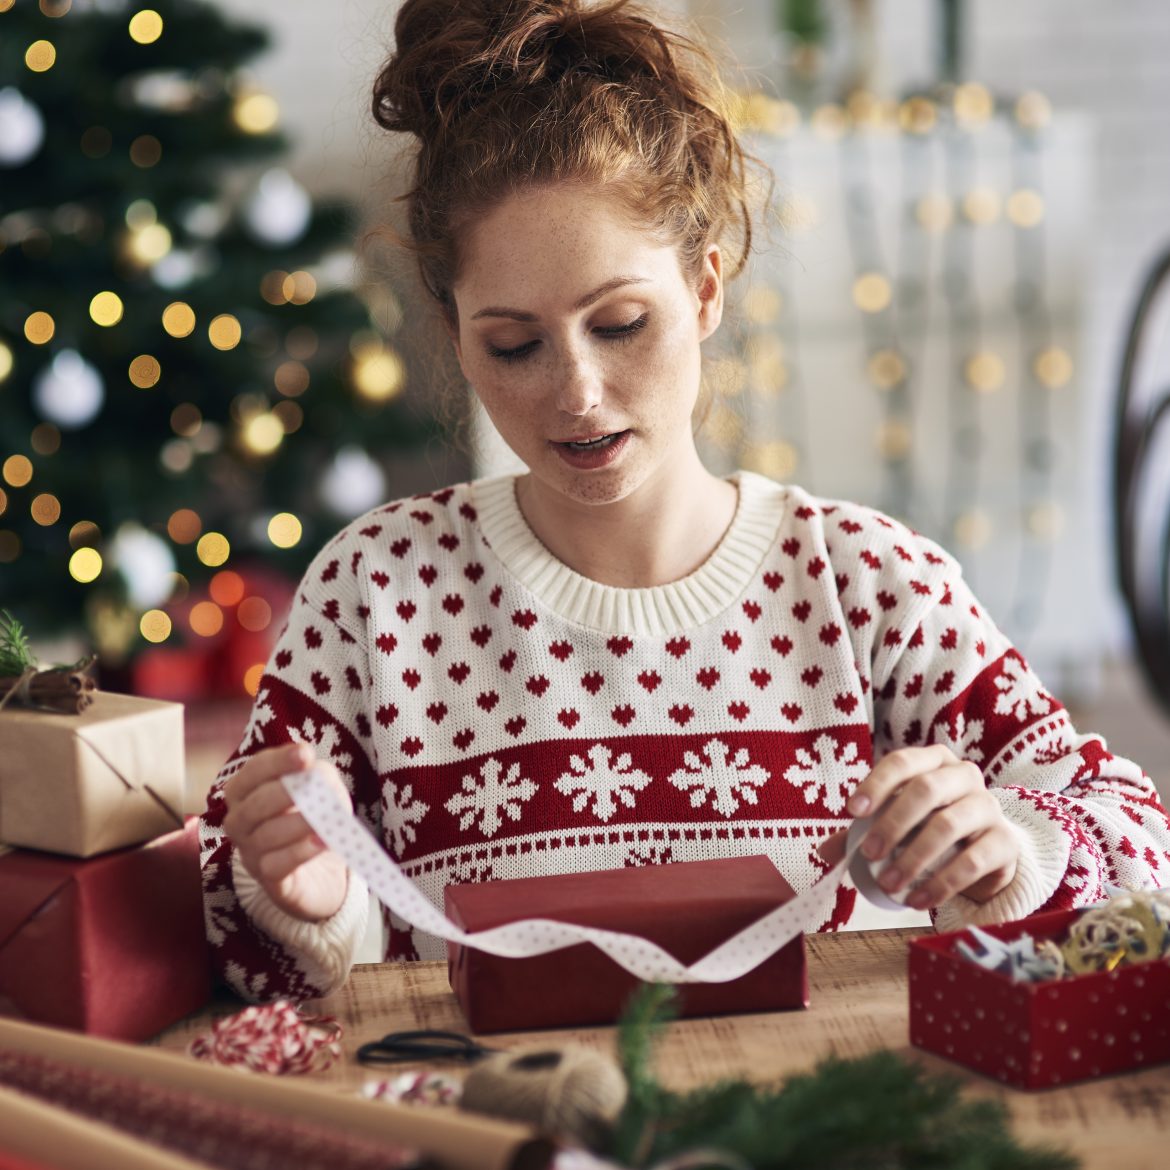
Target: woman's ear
x=710 y=292
x=451 y=325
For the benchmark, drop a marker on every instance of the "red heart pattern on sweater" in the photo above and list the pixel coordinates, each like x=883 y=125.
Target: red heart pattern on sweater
x=681 y=713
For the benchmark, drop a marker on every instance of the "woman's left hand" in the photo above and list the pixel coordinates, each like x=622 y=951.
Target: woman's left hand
x=929 y=789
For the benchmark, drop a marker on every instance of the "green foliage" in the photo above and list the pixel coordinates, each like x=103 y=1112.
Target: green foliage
x=804 y=19
x=16 y=655
x=879 y=1112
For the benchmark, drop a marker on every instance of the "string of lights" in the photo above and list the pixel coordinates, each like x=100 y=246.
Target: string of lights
x=946 y=217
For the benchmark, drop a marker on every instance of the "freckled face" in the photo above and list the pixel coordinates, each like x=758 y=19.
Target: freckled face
x=580 y=335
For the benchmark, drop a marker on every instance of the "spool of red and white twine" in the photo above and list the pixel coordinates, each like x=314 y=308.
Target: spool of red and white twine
x=271 y=1038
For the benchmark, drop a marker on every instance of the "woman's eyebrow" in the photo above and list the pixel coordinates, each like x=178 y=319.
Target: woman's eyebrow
x=582 y=303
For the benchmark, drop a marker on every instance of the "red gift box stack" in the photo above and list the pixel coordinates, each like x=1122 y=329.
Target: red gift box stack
x=687 y=908
x=113 y=945
x=1036 y=1035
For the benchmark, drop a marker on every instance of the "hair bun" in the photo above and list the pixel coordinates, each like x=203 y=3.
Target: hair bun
x=450 y=54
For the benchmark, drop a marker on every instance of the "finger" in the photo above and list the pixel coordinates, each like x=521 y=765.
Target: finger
x=943 y=830
x=272 y=868
x=914 y=801
x=989 y=860
x=269 y=800
x=892 y=771
x=279 y=832
x=265 y=766
x=832 y=849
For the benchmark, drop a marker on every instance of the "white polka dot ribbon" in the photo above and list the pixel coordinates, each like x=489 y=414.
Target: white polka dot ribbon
x=335 y=824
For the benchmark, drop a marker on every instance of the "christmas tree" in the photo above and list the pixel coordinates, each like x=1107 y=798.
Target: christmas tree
x=187 y=379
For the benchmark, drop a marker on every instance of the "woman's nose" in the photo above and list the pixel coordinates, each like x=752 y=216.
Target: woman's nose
x=579 y=385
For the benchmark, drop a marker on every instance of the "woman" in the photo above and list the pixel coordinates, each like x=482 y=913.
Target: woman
x=618 y=658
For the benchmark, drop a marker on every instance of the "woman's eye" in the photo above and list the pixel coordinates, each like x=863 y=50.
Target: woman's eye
x=623 y=332
x=514 y=354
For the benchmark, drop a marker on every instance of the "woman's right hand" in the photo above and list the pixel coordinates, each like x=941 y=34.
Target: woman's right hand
x=275 y=843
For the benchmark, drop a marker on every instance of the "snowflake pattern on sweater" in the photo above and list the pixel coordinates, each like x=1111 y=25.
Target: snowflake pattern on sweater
x=496 y=715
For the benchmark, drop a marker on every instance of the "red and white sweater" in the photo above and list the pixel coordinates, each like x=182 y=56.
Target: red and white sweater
x=497 y=715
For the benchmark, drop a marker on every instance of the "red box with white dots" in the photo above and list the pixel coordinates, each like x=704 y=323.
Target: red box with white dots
x=1036 y=1035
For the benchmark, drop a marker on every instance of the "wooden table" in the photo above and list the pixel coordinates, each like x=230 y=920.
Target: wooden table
x=858 y=993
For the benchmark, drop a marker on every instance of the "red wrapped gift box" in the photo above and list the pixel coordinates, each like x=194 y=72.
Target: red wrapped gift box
x=113 y=945
x=687 y=908
x=1036 y=1035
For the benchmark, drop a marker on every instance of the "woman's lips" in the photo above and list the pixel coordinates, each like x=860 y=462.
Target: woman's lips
x=588 y=454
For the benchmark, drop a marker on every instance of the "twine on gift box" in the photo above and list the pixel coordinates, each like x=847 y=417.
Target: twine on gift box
x=569 y=1093
x=272 y=1038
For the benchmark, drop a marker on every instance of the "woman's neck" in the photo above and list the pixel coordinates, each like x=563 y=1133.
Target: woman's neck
x=661 y=532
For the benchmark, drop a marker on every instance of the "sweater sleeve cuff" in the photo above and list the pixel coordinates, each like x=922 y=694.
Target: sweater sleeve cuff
x=1040 y=868
x=324 y=950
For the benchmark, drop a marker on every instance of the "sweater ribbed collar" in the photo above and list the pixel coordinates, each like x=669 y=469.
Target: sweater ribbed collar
x=660 y=609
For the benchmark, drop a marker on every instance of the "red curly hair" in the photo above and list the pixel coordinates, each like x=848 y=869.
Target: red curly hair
x=506 y=94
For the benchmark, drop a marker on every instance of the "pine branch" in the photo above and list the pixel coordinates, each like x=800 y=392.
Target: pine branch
x=16 y=655
x=879 y=1112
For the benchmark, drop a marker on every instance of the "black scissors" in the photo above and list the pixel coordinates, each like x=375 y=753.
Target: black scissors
x=423 y=1045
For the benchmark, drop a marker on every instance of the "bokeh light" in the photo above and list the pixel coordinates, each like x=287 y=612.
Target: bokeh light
x=227 y=588
x=256 y=113
x=145 y=371
x=146 y=26
x=284 y=530
x=178 y=319
x=262 y=433
x=206 y=619
x=184 y=526
x=871 y=292
x=378 y=373
x=39 y=328
x=85 y=565
x=254 y=614
x=40 y=56
x=155 y=626
x=106 y=308
x=45 y=439
x=225 y=332
x=17 y=470
x=145 y=151
x=45 y=509
x=213 y=549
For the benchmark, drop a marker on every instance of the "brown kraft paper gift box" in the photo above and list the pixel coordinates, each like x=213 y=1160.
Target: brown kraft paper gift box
x=687 y=908
x=88 y=783
x=114 y=946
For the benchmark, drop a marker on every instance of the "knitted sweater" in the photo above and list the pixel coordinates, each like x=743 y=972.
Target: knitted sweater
x=497 y=715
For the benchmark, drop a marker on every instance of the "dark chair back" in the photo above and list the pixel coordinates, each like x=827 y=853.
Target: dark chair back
x=1141 y=479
